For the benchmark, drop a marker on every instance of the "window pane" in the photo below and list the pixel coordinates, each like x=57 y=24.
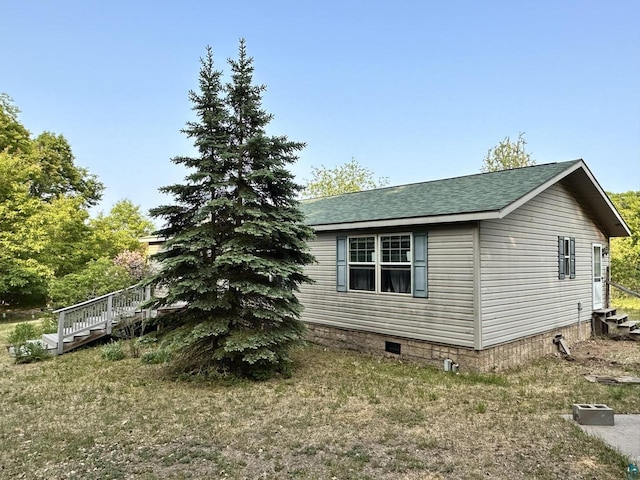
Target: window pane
x=362 y=278
x=396 y=279
x=361 y=249
x=395 y=248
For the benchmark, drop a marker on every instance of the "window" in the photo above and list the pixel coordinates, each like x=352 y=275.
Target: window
x=383 y=263
x=395 y=264
x=566 y=257
x=362 y=264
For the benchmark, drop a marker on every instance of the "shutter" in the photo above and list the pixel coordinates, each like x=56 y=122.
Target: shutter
x=420 y=265
x=572 y=258
x=341 y=264
x=561 y=258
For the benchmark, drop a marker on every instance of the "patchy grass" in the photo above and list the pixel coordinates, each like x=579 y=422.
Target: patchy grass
x=627 y=304
x=342 y=415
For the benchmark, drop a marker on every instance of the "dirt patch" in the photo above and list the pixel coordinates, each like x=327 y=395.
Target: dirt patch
x=602 y=356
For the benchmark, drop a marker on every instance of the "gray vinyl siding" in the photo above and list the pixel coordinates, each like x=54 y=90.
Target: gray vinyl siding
x=521 y=294
x=446 y=316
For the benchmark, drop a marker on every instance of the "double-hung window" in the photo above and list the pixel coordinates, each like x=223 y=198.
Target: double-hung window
x=380 y=263
x=395 y=263
x=362 y=263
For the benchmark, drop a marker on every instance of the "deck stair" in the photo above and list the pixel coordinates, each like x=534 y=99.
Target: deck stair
x=611 y=322
x=88 y=321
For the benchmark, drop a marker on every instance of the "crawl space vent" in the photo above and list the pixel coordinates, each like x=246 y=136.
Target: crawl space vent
x=392 y=347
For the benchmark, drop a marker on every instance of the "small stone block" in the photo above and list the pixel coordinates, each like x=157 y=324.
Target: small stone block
x=592 y=414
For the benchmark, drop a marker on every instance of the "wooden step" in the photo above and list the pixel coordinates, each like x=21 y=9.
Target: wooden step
x=629 y=324
x=616 y=319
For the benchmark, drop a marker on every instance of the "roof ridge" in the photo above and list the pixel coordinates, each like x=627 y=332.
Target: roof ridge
x=567 y=162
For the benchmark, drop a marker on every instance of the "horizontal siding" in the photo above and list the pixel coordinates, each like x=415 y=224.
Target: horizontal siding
x=521 y=294
x=446 y=316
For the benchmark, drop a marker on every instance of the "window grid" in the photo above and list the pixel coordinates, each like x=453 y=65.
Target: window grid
x=380 y=264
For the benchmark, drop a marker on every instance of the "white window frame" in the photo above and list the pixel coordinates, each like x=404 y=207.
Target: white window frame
x=379 y=264
x=567 y=256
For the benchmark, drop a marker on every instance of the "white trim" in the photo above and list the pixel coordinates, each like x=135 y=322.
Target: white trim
x=593 y=277
x=378 y=263
x=477 y=289
x=410 y=221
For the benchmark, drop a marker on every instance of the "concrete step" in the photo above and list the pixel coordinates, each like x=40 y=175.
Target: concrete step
x=605 y=312
x=634 y=334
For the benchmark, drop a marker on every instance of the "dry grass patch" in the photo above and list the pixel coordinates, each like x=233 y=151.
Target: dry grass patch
x=342 y=415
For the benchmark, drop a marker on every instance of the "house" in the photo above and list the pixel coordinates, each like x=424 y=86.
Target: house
x=484 y=269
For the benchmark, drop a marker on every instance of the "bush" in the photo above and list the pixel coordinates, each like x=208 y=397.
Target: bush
x=155 y=357
x=97 y=278
x=26 y=346
x=112 y=352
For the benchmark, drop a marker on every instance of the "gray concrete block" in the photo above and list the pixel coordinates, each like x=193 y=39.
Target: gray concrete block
x=592 y=414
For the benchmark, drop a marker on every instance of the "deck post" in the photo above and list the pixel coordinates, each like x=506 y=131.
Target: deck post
x=109 y=313
x=60 y=333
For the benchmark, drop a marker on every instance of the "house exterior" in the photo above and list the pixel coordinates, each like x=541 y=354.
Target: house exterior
x=484 y=269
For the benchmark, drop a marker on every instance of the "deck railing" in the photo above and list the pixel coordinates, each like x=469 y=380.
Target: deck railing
x=100 y=311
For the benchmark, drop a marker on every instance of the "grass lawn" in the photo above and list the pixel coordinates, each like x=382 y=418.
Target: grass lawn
x=343 y=415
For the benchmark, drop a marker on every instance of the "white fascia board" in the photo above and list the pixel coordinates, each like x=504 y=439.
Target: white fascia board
x=402 y=222
x=538 y=190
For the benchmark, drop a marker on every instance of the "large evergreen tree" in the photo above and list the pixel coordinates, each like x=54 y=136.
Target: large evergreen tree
x=236 y=239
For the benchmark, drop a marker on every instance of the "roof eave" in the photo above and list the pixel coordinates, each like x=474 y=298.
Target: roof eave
x=402 y=222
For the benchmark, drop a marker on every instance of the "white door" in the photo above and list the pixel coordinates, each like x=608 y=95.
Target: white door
x=598 y=281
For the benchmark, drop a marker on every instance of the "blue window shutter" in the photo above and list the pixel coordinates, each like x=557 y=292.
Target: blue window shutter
x=420 y=265
x=341 y=264
x=561 y=271
x=572 y=257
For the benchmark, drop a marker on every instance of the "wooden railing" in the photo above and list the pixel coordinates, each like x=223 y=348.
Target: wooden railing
x=623 y=289
x=100 y=311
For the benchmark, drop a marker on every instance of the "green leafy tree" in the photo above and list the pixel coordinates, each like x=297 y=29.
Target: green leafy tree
x=237 y=241
x=120 y=230
x=507 y=155
x=625 y=252
x=14 y=138
x=347 y=178
x=58 y=174
x=97 y=277
x=23 y=276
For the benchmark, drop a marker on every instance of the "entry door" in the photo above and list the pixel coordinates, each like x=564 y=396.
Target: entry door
x=598 y=281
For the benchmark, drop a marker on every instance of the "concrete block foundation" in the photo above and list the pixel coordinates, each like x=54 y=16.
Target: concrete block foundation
x=494 y=358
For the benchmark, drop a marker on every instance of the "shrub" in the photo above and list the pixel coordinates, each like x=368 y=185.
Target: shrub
x=112 y=352
x=26 y=346
x=155 y=357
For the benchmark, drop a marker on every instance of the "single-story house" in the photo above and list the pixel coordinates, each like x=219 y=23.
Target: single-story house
x=484 y=269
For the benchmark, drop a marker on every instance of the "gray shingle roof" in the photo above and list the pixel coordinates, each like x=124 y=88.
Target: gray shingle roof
x=469 y=194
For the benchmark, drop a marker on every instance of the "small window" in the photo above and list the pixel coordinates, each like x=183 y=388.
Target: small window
x=362 y=266
x=566 y=257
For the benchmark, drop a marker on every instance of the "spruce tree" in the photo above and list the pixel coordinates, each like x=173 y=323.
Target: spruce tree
x=236 y=239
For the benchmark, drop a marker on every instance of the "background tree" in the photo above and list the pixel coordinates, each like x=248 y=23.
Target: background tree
x=45 y=234
x=237 y=241
x=625 y=252
x=121 y=229
x=347 y=178
x=507 y=155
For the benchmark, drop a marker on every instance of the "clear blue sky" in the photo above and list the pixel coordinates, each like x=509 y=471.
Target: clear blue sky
x=414 y=90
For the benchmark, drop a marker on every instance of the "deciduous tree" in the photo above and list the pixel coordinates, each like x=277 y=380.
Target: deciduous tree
x=237 y=242
x=625 y=252
x=347 y=178
x=507 y=155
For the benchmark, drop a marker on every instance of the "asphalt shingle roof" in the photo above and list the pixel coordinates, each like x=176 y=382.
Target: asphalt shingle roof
x=469 y=194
